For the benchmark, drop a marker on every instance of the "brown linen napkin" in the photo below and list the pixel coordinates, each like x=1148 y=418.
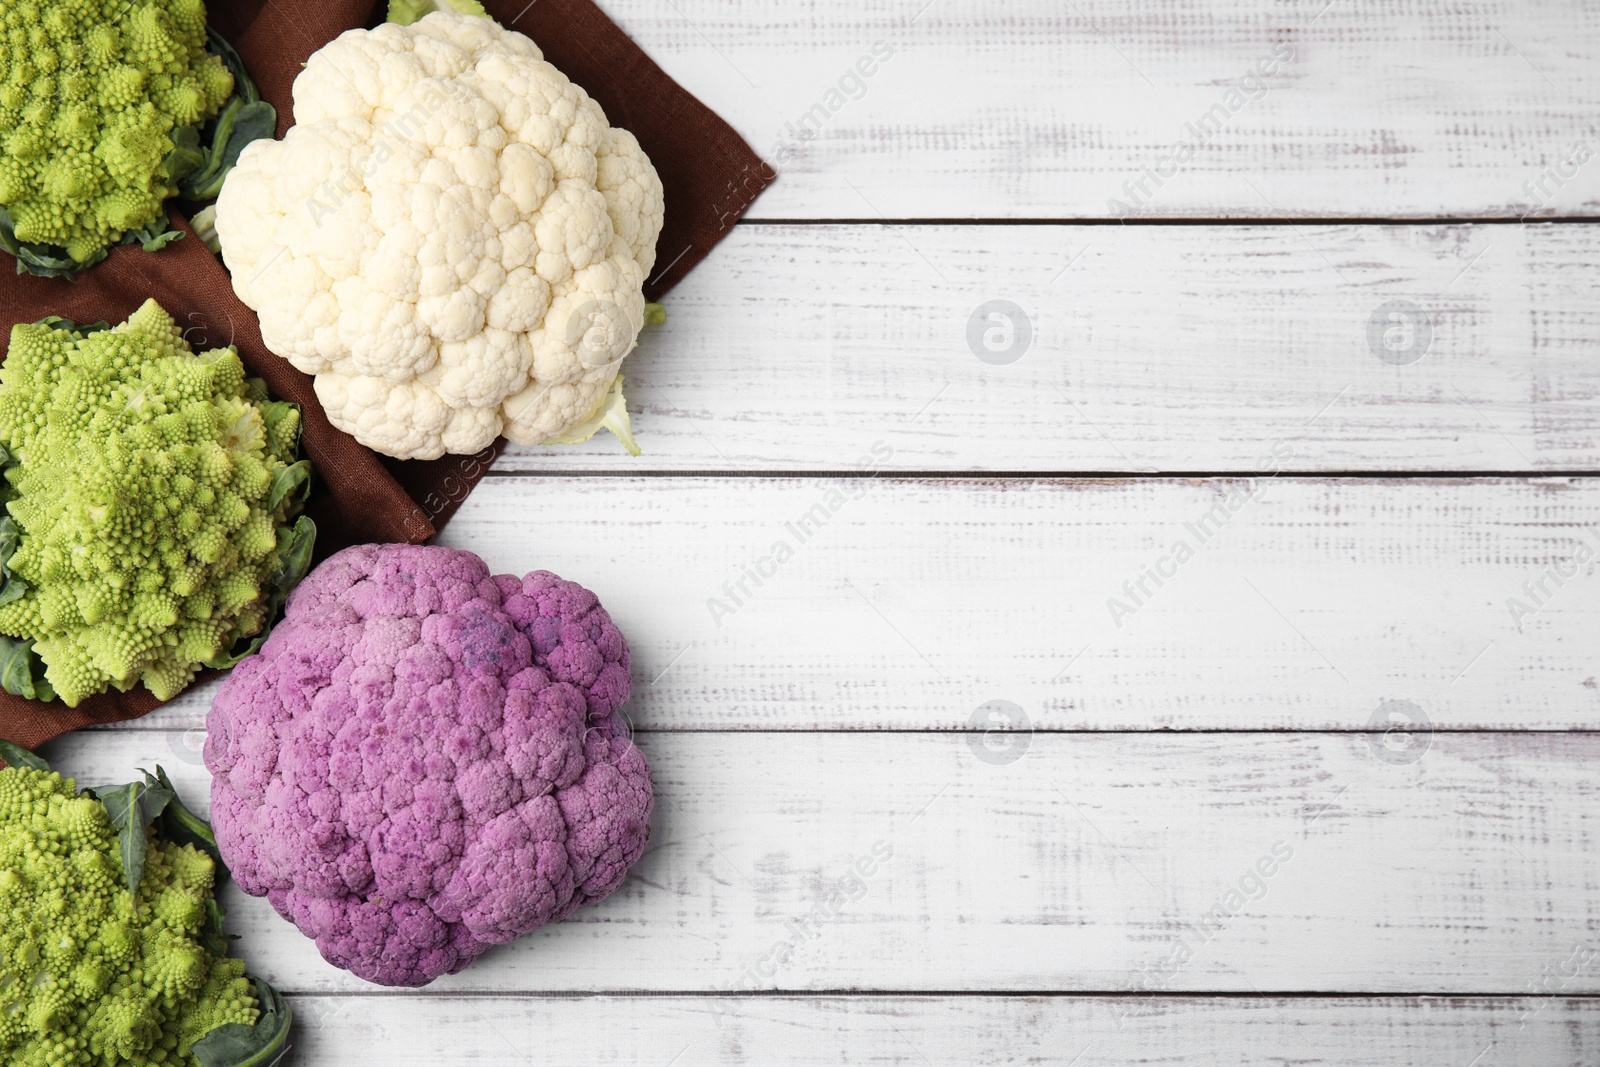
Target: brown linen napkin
x=710 y=176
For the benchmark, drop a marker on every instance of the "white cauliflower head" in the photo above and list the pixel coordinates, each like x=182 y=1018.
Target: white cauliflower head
x=451 y=238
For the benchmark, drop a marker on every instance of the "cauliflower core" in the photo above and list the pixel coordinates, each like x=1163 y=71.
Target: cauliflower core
x=451 y=238
x=425 y=760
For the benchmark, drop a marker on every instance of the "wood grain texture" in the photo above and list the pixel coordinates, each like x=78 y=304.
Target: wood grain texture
x=925 y=1031
x=1122 y=863
x=1030 y=110
x=845 y=867
x=1192 y=348
x=907 y=604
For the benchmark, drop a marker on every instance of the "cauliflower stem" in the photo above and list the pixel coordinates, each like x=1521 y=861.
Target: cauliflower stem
x=612 y=414
x=612 y=411
x=107 y=109
x=111 y=946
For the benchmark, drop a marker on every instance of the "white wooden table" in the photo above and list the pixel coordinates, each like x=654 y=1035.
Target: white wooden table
x=1345 y=352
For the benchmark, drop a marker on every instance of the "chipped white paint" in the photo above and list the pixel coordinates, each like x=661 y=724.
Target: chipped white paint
x=1005 y=109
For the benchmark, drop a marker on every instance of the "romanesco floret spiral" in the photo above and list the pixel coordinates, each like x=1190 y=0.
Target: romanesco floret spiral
x=89 y=975
x=90 y=93
x=142 y=494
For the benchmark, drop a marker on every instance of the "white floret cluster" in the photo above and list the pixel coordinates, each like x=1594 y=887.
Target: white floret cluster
x=451 y=238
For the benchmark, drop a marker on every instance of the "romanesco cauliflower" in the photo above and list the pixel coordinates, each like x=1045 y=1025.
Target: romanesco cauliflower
x=152 y=493
x=93 y=95
x=91 y=975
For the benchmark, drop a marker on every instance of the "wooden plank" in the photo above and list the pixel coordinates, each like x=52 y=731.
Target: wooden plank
x=1035 y=110
x=421 y=1031
x=1188 y=348
x=1123 y=863
x=908 y=604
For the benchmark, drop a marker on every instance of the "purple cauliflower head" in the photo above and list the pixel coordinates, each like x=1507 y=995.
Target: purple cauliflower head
x=426 y=759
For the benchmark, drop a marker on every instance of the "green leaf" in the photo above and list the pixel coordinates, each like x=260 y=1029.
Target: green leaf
x=295 y=545
x=186 y=156
x=56 y=322
x=405 y=12
x=236 y=126
x=21 y=670
x=181 y=826
x=217 y=126
x=8 y=234
x=655 y=315
x=52 y=261
x=11 y=587
x=294 y=555
x=14 y=755
x=244 y=118
x=154 y=237
x=8 y=538
x=133 y=807
x=14 y=589
x=292 y=483
x=263 y=1045
x=211 y=935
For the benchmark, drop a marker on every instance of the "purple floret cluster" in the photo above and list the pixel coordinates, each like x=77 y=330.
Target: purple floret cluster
x=426 y=759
